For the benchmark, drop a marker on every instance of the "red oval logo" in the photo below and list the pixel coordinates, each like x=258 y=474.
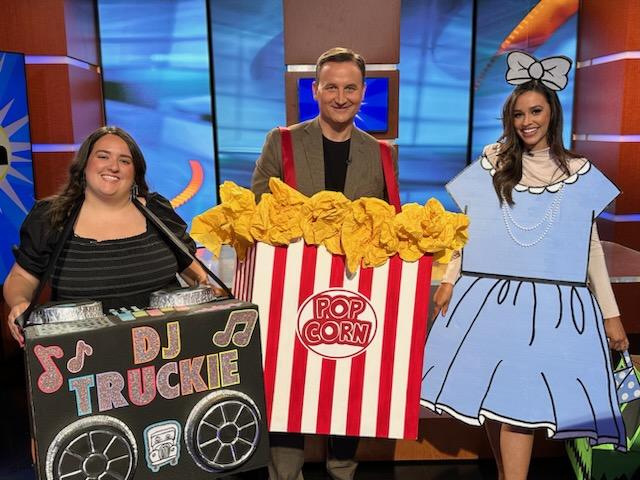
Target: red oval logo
x=336 y=323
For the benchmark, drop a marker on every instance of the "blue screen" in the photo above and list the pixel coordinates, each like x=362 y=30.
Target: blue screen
x=155 y=60
x=374 y=110
x=435 y=51
x=248 y=46
x=16 y=174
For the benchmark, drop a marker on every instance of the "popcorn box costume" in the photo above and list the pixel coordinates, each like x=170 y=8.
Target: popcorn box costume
x=340 y=351
x=345 y=310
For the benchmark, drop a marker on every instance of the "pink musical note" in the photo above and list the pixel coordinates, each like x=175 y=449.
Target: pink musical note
x=76 y=363
x=50 y=380
x=245 y=318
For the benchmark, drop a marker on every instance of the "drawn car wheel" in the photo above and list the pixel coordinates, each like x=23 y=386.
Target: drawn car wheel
x=94 y=447
x=222 y=430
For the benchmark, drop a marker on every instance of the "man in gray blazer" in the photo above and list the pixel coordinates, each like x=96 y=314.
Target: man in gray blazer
x=329 y=153
x=364 y=176
x=339 y=90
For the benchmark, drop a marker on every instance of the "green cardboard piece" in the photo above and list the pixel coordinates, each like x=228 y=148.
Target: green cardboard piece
x=603 y=462
x=600 y=463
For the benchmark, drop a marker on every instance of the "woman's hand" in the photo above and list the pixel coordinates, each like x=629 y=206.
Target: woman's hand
x=14 y=328
x=18 y=290
x=441 y=299
x=615 y=333
x=194 y=275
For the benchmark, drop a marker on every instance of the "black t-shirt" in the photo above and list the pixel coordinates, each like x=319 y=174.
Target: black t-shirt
x=119 y=272
x=336 y=161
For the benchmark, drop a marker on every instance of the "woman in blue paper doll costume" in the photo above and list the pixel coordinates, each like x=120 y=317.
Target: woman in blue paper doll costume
x=521 y=342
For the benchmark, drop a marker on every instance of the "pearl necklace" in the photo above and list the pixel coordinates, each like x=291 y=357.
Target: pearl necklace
x=547 y=220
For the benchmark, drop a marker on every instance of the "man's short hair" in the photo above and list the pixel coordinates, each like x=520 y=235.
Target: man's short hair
x=341 y=54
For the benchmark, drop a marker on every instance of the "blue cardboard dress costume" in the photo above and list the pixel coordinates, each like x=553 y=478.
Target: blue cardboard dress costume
x=523 y=341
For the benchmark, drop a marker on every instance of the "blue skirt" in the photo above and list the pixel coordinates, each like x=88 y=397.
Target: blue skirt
x=526 y=353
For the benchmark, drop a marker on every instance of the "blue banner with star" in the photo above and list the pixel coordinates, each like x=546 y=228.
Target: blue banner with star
x=16 y=173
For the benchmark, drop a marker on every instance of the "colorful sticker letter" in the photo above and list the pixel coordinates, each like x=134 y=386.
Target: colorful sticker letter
x=109 y=388
x=172 y=350
x=82 y=388
x=146 y=344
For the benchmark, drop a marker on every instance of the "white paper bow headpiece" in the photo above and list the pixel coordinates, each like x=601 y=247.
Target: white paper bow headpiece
x=552 y=71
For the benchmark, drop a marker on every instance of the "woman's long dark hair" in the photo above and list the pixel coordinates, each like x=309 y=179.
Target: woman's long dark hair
x=509 y=163
x=73 y=191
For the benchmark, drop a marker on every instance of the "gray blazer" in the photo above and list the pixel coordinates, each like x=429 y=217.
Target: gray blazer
x=364 y=173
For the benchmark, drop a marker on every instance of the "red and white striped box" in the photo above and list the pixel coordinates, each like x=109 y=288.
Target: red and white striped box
x=342 y=355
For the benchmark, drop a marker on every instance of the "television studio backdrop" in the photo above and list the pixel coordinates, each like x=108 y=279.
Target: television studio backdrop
x=199 y=83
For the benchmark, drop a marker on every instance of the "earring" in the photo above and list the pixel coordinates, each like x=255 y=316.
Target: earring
x=134 y=191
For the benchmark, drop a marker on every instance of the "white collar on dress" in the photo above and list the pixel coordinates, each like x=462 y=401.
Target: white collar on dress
x=553 y=188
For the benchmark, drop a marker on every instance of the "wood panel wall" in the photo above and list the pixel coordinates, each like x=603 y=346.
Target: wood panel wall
x=64 y=94
x=607 y=102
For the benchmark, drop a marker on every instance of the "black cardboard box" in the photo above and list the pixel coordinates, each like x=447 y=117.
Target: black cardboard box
x=162 y=394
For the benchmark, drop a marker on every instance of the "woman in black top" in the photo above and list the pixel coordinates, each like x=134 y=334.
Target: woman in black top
x=114 y=255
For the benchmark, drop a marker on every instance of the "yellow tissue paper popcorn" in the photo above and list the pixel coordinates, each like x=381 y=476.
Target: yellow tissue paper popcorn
x=367 y=231
x=277 y=217
x=241 y=203
x=228 y=223
x=368 y=234
x=322 y=218
x=408 y=226
x=443 y=232
x=211 y=229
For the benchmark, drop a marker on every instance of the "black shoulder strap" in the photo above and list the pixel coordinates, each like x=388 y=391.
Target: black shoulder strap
x=23 y=319
x=159 y=224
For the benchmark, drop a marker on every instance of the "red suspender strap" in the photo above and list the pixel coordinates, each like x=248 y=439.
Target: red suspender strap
x=288 y=167
x=389 y=175
x=289 y=170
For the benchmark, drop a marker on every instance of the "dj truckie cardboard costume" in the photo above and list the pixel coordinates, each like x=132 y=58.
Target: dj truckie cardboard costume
x=148 y=394
x=523 y=341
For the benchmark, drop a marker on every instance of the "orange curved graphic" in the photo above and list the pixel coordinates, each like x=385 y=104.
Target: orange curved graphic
x=534 y=29
x=539 y=24
x=197 y=178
